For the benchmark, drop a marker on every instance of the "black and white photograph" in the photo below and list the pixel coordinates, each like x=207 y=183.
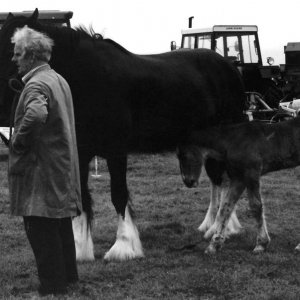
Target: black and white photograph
x=150 y=150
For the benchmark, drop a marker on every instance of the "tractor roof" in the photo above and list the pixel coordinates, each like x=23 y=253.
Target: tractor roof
x=222 y=28
x=292 y=47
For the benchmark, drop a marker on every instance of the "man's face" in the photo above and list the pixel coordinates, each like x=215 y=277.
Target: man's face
x=22 y=60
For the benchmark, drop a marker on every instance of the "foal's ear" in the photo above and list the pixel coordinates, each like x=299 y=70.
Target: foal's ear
x=34 y=15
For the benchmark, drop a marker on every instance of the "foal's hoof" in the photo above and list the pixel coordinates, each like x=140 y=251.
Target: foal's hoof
x=210 y=232
x=259 y=249
x=210 y=250
x=203 y=227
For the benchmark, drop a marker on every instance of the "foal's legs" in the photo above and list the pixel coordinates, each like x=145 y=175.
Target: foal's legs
x=257 y=210
x=233 y=226
x=212 y=209
x=217 y=231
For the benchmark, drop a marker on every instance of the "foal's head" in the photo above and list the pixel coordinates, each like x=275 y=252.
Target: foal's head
x=190 y=161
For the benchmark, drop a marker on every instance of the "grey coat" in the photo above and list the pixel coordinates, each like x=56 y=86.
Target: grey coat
x=43 y=166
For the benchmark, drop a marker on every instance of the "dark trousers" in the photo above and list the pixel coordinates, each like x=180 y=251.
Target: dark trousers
x=52 y=242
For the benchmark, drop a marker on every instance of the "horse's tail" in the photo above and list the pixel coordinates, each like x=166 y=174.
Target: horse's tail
x=82 y=225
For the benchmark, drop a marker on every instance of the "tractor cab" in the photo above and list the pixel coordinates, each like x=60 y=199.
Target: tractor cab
x=240 y=44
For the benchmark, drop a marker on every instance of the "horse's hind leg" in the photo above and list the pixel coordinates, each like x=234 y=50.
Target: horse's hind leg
x=128 y=244
x=82 y=224
x=257 y=210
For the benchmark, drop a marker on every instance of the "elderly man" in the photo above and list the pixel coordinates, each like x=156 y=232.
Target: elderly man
x=43 y=169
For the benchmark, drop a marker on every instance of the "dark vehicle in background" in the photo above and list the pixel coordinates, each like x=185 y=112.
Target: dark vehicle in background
x=51 y=17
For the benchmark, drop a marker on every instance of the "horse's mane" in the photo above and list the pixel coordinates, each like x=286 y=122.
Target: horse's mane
x=81 y=32
x=66 y=36
x=97 y=36
x=88 y=33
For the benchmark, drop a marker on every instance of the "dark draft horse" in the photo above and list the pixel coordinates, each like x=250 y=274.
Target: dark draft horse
x=126 y=102
x=239 y=154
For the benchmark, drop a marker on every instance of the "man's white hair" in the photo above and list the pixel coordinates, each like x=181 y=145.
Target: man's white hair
x=33 y=42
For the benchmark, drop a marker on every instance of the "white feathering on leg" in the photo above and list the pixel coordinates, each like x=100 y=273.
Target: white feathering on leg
x=83 y=239
x=212 y=209
x=128 y=244
x=233 y=226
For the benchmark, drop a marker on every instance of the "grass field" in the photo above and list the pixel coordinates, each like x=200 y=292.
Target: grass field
x=175 y=266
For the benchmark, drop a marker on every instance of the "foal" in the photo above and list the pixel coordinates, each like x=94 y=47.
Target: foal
x=243 y=152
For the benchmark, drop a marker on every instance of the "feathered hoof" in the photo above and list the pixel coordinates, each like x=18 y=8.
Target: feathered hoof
x=210 y=232
x=232 y=229
x=211 y=250
x=259 y=249
x=124 y=250
x=86 y=254
x=205 y=225
x=83 y=239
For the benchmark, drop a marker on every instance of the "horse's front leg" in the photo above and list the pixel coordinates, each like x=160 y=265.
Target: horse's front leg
x=212 y=209
x=218 y=230
x=128 y=244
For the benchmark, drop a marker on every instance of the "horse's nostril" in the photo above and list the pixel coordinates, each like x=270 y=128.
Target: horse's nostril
x=195 y=183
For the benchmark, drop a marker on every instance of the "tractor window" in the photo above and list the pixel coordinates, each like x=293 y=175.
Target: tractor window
x=233 y=51
x=189 y=42
x=204 y=41
x=219 y=48
x=249 y=49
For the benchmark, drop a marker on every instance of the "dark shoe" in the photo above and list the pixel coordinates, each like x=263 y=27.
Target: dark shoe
x=51 y=291
x=72 y=280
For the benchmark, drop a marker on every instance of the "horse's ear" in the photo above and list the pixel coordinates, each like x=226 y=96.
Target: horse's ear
x=9 y=16
x=35 y=15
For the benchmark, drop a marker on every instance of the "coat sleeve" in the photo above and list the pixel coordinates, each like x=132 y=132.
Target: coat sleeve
x=35 y=114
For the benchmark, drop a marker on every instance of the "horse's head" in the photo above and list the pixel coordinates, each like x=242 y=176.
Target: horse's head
x=8 y=69
x=190 y=162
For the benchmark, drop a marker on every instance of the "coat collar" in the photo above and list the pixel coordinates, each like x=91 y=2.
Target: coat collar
x=32 y=72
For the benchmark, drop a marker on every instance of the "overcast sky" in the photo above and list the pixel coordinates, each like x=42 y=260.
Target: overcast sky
x=148 y=26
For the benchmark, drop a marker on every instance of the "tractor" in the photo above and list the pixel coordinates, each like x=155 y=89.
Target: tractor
x=267 y=85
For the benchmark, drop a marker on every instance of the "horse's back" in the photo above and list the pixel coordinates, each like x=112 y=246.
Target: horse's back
x=180 y=91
